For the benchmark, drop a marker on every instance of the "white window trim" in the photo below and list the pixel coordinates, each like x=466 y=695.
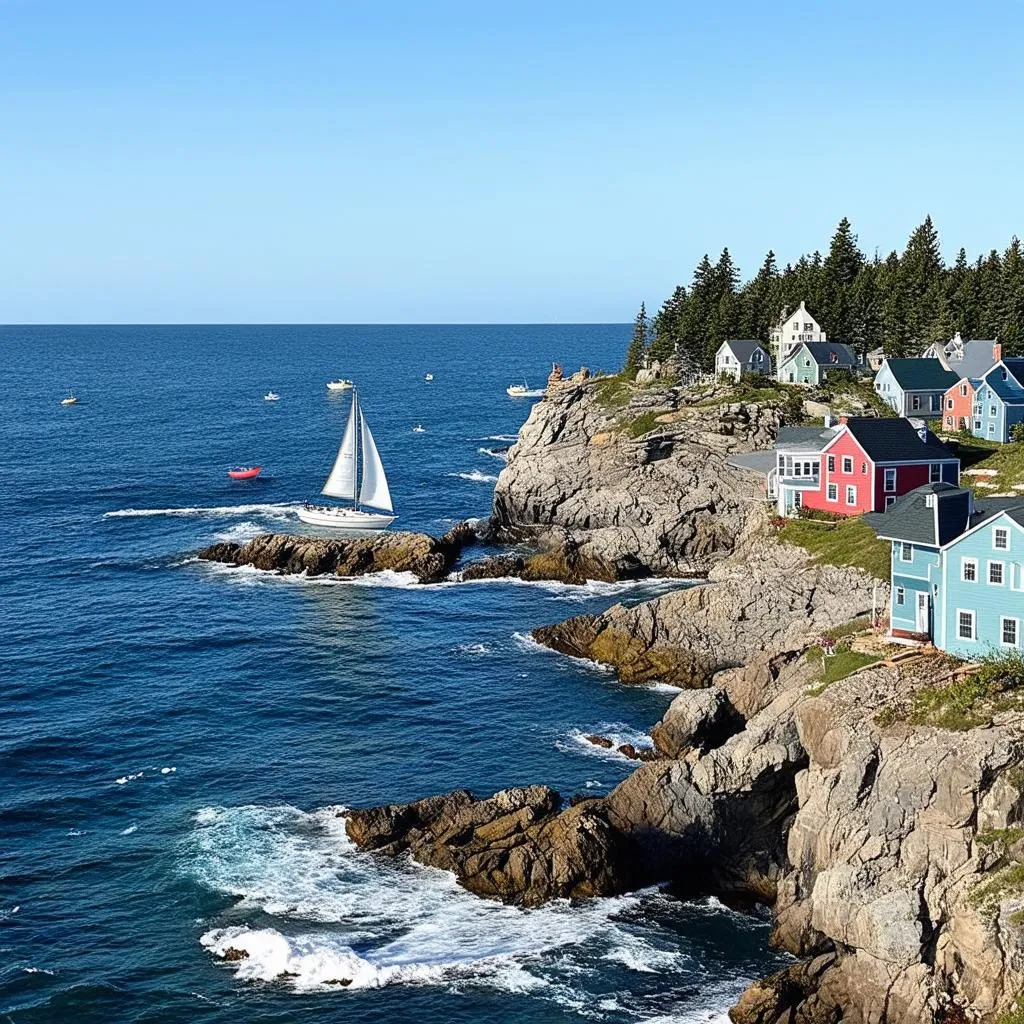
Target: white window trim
x=847 y=459
x=988 y=572
x=851 y=490
x=964 y=562
x=832 y=492
x=1000 y=529
x=974 y=624
x=1016 y=631
x=905 y=546
x=889 y=487
x=890 y=499
x=900 y=596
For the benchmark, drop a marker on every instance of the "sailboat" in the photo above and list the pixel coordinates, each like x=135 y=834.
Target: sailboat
x=368 y=487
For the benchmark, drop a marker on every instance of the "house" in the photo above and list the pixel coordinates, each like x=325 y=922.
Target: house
x=958 y=405
x=965 y=358
x=736 y=358
x=874 y=359
x=914 y=387
x=811 y=362
x=999 y=401
x=791 y=330
x=957 y=569
x=862 y=465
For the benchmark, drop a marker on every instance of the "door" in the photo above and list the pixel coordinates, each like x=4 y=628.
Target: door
x=922 y=612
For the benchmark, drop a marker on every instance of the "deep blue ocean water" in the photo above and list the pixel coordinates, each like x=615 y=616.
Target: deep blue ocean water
x=175 y=737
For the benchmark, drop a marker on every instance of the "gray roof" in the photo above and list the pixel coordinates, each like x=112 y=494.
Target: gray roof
x=804 y=438
x=743 y=350
x=978 y=359
x=823 y=351
x=757 y=462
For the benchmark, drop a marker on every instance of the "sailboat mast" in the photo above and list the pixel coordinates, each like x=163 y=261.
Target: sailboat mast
x=355 y=451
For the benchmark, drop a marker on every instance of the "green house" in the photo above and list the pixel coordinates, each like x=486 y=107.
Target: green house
x=812 y=361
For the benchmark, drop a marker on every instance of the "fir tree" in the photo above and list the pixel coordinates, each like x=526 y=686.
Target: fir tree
x=638 y=346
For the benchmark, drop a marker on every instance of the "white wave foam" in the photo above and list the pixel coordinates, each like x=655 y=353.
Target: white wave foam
x=527 y=643
x=497 y=437
x=494 y=453
x=241 y=532
x=280 y=510
x=124 y=779
x=347 y=916
x=575 y=741
x=577 y=593
x=477 y=649
x=37 y=970
x=130 y=830
x=476 y=476
x=167 y=771
x=248 y=575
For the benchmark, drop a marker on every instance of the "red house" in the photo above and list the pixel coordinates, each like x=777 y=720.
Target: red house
x=862 y=465
x=958 y=405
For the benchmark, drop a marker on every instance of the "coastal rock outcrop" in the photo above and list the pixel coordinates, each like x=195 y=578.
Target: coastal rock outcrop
x=516 y=846
x=428 y=558
x=634 y=479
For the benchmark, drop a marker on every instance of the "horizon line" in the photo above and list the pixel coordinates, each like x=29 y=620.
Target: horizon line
x=311 y=323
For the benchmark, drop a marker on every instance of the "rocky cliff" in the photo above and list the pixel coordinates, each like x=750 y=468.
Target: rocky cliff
x=635 y=481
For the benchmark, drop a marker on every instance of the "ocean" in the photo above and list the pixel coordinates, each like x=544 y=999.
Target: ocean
x=177 y=737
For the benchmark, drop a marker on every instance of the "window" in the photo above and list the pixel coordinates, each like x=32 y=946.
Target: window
x=798 y=500
x=965 y=625
x=969 y=570
x=890 y=479
x=1001 y=538
x=847 y=464
x=1002 y=373
x=992 y=410
x=915 y=402
x=863 y=469
x=935 y=402
x=901 y=596
x=1008 y=631
x=995 y=573
x=851 y=495
x=949 y=421
x=949 y=403
x=906 y=552
x=963 y=392
x=934 y=473
x=807 y=361
x=833 y=492
x=889 y=499
x=992 y=429
x=977 y=424
x=831 y=463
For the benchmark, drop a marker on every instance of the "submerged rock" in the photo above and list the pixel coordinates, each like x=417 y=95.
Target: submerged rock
x=428 y=558
x=515 y=846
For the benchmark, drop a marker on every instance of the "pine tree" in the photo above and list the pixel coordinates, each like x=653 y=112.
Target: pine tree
x=920 y=282
x=668 y=324
x=638 y=346
x=838 y=272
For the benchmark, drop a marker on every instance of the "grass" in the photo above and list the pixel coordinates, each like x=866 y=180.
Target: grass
x=1001 y=837
x=643 y=424
x=612 y=392
x=1006 y=459
x=1015 y=1015
x=844 y=542
x=841 y=663
x=1007 y=881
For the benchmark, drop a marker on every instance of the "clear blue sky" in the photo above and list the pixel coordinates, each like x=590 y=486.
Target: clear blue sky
x=457 y=162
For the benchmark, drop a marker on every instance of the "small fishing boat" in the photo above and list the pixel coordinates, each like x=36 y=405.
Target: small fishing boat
x=523 y=391
x=341 y=384
x=245 y=472
x=428 y=376
x=70 y=400
x=357 y=476
x=419 y=429
x=271 y=396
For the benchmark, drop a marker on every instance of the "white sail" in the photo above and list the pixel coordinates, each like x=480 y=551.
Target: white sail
x=342 y=481
x=374 y=490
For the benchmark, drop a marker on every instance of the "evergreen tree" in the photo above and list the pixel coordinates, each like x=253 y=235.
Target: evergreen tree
x=668 y=324
x=919 y=277
x=838 y=273
x=638 y=346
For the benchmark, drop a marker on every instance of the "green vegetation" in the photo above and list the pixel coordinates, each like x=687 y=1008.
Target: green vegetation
x=1015 y=1015
x=841 y=663
x=848 y=628
x=843 y=542
x=642 y=424
x=612 y=392
x=638 y=346
x=1006 y=459
x=1006 y=881
x=900 y=302
x=1004 y=838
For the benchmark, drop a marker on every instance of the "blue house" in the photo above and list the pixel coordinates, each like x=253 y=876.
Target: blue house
x=914 y=387
x=957 y=569
x=811 y=362
x=999 y=401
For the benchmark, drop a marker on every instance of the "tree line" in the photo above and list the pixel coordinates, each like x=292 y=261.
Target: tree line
x=900 y=303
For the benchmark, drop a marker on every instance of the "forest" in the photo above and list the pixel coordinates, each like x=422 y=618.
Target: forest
x=900 y=303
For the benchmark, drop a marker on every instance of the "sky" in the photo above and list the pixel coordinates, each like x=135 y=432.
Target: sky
x=390 y=162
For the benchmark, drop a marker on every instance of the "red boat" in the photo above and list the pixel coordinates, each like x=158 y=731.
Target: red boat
x=245 y=473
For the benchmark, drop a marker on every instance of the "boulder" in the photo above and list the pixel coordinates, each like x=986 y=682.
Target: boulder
x=695 y=720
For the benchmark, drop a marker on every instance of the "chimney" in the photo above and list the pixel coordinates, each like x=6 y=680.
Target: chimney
x=843 y=419
x=828 y=419
x=997 y=350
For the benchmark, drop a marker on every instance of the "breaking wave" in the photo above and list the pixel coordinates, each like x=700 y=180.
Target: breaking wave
x=476 y=476
x=495 y=453
x=575 y=741
x=281 y=510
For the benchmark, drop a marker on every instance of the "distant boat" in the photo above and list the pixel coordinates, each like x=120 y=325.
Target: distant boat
x=428 y=376
x=346 y=482
x=523 y=391
x=245 y=472
x=341 y=384
x=271 y=396
x=70 y=400
x=419 y=429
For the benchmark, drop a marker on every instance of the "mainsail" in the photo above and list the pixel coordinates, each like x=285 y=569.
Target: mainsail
x=342 y=481
x=374 y=489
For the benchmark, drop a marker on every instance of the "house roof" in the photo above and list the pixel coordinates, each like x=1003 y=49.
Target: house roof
x=911 y=519
x=757 y=462
x=822 y=352
x=896 y=440
x=1003 y=388
x=921 y=374
x=743 y=350
x=978 y=359
x=804 y=439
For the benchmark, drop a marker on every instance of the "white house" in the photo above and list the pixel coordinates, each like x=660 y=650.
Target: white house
x=792 y=330
x=736 y=358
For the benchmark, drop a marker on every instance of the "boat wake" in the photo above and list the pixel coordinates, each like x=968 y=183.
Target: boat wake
x=495 y=453
x=319 y=915
x=282 y=510
x=476 y=476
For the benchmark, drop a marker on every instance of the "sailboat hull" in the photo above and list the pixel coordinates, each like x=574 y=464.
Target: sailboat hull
x=339 y=518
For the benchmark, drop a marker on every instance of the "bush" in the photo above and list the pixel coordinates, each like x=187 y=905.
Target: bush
x=1017 y=433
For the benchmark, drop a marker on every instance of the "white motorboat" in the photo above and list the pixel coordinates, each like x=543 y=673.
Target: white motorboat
x=360 y=480
x=70 y=400
x=523 y=391
x=419 y=429
x=428 y=377
x=271 y=396
x=341 y=384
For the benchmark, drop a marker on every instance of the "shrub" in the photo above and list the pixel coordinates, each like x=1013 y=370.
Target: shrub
x=1017 y=433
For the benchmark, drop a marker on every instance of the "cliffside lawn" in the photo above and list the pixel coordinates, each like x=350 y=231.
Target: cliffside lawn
x=839 y=542
x=1000 y=466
